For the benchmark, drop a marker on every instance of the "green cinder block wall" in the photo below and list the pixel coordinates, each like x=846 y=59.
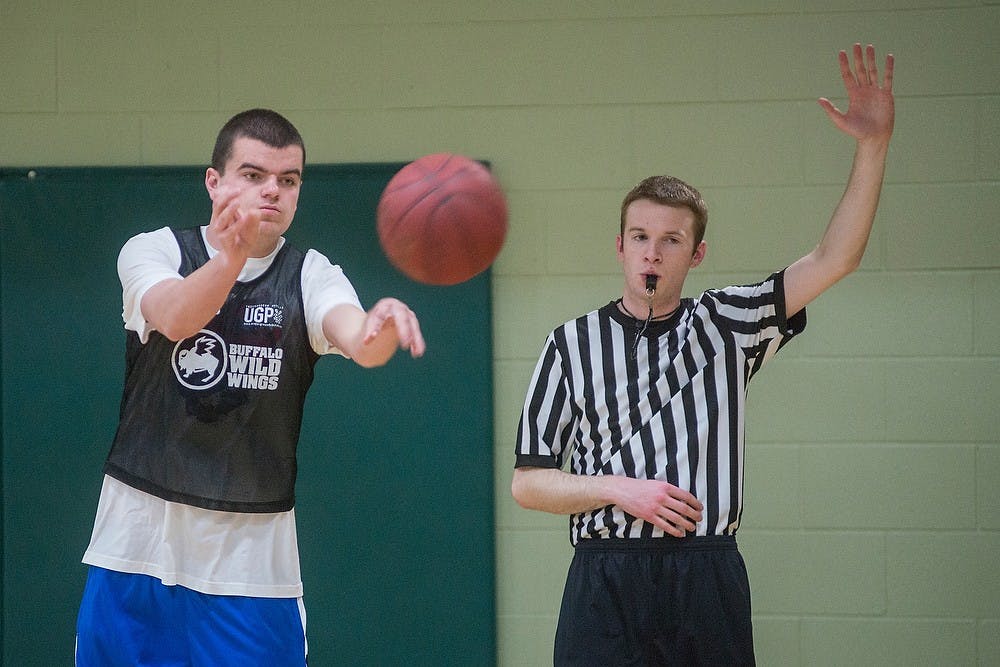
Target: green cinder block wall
x=872 y=524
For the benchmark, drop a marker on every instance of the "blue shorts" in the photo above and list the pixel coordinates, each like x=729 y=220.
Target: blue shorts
x=133 y=619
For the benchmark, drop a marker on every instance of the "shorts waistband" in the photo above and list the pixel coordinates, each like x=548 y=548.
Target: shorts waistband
x=697 y=543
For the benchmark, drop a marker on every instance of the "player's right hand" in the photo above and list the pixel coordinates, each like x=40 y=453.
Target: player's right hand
x=235 y=229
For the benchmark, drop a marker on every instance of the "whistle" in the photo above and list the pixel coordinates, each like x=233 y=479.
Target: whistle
x=650 y=286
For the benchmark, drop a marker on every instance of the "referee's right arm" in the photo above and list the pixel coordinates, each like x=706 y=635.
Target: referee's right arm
x=552 y=490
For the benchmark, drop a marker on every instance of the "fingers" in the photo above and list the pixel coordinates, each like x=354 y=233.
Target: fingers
x=417 y=344
x=408 y=332
x=224 y=207
x=668 y=507
x=831 y=111
x=845 y=69
x=246 y=221
x=690 y=501
x=395 y=313
x=873 y=66
x=675 y=524
x=679 y=513
x=865 y=70
x=860 y=69
x=236 y=229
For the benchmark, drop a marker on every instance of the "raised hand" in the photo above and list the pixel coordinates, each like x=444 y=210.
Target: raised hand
x=179 y=308
x=234 y=229
x=870 y=103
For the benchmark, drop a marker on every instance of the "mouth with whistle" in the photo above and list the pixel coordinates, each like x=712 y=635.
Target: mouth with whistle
x=650 y=279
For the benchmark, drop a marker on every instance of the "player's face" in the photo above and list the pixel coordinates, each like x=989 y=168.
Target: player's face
x=658 y=241
x=269 y=180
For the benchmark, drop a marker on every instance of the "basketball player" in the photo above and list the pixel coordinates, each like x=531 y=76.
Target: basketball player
x=645 y=399
x=193 y=557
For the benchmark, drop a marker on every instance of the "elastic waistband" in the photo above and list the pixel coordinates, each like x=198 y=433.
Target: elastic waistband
x=697 y=543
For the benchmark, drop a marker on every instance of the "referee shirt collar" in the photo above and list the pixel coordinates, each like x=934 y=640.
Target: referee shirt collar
x=656 y=327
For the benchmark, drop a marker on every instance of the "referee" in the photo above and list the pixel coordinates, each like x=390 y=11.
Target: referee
x=645 y=397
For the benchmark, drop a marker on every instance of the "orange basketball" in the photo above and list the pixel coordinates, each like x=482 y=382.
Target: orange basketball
x=442 y=219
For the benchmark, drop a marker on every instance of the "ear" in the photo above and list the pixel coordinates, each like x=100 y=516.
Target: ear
x=619 y=248
x=212 y=178
x=699 y=254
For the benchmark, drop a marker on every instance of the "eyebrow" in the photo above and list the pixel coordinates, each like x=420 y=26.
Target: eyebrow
x=645 y=230
x=250 y=165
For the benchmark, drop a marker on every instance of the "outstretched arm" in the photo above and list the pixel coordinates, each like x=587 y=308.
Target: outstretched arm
x=552 y=490
x=869 y=120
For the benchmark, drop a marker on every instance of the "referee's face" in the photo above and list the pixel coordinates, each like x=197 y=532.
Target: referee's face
x=658 y=241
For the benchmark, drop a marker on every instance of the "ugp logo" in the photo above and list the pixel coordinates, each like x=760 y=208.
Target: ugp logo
x=264 y=315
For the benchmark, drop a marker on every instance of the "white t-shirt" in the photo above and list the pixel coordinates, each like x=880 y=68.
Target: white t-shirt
x=219 y=553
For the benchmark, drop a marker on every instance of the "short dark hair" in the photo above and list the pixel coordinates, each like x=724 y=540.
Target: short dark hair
x=264 y=125
x=671 y=192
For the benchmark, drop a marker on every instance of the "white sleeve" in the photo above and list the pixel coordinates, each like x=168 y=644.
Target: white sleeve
x=324 y=286
x=145 y=260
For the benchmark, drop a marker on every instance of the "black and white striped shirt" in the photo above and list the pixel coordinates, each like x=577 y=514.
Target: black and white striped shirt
x=674 y=412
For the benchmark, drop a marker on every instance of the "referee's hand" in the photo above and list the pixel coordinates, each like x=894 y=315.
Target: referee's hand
x=664 y=505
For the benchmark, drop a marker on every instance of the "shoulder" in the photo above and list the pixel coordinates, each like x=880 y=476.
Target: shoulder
x=749 y=295
x=292 y=251
x=155 y=247
x=324 y=286
x=314 y=257
x=751 y=310
x=316 y=264
x=584 y=320
x=584 y=327
x=160 y=238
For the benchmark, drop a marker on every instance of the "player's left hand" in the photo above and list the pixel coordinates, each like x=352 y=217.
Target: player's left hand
x=393 y=313
x=871 y=107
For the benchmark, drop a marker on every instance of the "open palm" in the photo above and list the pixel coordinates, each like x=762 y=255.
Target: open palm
x=871 y=109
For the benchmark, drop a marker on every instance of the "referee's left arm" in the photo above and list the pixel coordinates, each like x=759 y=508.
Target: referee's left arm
x=869 y=120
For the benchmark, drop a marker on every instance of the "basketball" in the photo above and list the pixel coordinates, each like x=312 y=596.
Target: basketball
x=442 y=219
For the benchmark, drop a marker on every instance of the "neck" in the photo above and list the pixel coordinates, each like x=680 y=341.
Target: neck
x=644 y=312
x=262 y=248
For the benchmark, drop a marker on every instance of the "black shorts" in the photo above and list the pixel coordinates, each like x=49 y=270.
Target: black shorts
x=657 y=601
